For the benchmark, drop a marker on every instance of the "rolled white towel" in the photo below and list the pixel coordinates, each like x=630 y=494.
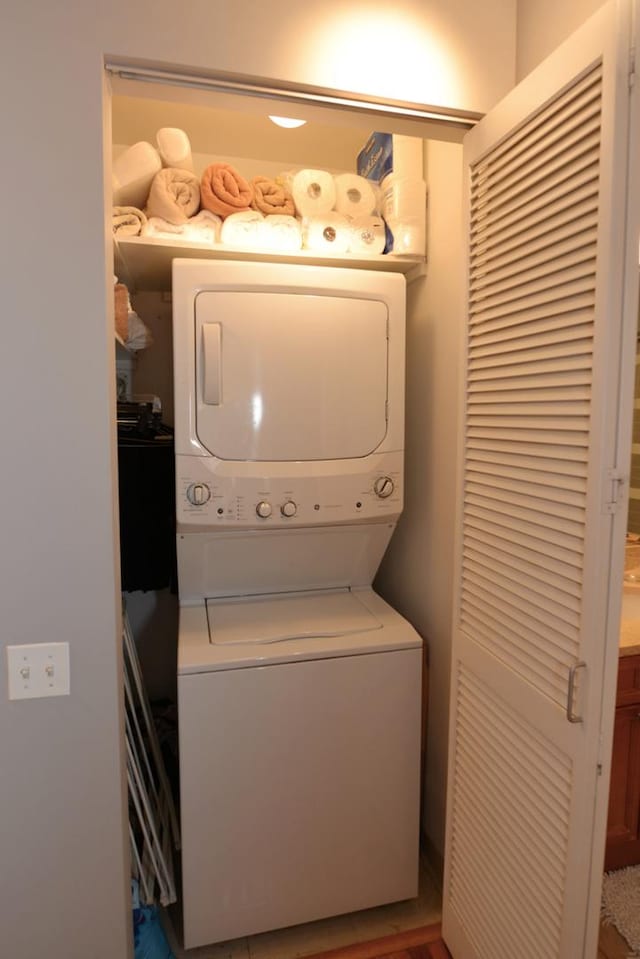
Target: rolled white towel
x=132 y=174
x=174 y=148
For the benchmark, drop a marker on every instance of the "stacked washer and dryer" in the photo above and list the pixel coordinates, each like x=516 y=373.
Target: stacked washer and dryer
x=299 y=688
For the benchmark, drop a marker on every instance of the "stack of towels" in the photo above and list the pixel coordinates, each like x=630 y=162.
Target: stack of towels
x=157 y=194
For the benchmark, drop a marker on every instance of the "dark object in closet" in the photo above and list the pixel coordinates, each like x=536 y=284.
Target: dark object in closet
x=147 y=499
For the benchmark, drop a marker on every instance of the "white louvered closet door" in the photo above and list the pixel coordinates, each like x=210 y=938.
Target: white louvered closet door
x=546 y=180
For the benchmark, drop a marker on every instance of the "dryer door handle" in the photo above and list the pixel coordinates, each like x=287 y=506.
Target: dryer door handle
x=211 y=362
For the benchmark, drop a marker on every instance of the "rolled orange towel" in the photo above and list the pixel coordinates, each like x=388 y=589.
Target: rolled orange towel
x=224 y=191
x=271 y=197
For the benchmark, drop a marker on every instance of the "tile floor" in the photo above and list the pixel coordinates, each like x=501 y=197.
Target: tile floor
x=324 y=934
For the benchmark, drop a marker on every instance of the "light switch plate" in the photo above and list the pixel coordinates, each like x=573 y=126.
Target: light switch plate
x=37 y=670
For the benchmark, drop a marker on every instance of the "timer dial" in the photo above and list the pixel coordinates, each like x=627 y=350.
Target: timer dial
x=383 y=487
x=198 y=494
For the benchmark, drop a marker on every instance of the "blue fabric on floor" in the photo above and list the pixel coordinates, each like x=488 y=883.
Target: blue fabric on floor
x=148 y=936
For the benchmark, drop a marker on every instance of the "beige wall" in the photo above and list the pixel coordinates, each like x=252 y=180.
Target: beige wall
x=417 y=571
x=543 y=25
x=63 y=890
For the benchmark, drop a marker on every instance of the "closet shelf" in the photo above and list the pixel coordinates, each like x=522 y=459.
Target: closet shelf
x=145 y=263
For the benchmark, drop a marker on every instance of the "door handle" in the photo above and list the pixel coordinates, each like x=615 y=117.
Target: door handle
x=211 y=362
x=571 y=716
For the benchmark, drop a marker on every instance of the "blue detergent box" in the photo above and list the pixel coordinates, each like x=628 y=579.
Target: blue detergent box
x=375 y=159
x=385 y=153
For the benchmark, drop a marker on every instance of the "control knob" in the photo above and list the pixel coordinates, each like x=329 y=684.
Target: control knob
x=383 y=487
x=263 y=509
x=289 y=508
x=198 y=494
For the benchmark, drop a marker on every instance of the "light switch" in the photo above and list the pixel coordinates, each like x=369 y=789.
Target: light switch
x=37 y=670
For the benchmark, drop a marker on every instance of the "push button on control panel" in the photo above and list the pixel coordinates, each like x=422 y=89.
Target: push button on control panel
x=198 y=494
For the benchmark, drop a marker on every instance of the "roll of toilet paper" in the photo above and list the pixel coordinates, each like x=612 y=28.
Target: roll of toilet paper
x=354 y=195
x=313 y=191
x=367 y=235
x=408 y=235
x=244 y=230
x=132 y=174
x=329 y=233
x=174 y=148
x=402 y=197
x=282 y=233
x=407 y=156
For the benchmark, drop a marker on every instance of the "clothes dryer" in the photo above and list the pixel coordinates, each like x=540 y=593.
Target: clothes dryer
x=299 y=688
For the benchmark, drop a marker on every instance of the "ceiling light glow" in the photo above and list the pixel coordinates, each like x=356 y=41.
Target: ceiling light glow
x=287 y=122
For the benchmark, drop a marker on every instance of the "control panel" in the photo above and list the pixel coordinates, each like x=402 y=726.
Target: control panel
x=207 y=498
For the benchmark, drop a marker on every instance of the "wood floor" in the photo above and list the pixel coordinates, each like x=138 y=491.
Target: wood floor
x=611 y=944
x=426 y=943
x=422 y=943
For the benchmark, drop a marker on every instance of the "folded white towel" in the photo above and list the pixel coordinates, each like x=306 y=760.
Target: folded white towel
x=204 y=227
x=245 y=230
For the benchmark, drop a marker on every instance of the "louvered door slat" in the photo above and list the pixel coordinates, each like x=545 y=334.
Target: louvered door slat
x=522 y=597
x=535 y=204
x=527 y=529
x=537 y=866
x=565 y=504
x=537 y=225
x=573 y=229
x=494 y=469
x=572 y=306
x=558 y=600
x=504 y=393
x=547 y=261
x=482 y=777
x=543 y=790
x=552 y=170
x=555 y=123
x=565 y=441
x=565 y=557
x=550 y=655
x=548 y=665
x=516 y=287
x=531 y=334
x=515 y=445
x=539 y=564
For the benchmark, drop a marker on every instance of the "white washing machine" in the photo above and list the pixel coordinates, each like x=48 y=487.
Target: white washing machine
x=299 y=689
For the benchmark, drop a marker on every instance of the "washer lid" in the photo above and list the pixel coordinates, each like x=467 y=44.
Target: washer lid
x=274 y=618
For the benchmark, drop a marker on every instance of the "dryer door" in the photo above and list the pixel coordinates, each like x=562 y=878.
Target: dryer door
x=290 y=376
